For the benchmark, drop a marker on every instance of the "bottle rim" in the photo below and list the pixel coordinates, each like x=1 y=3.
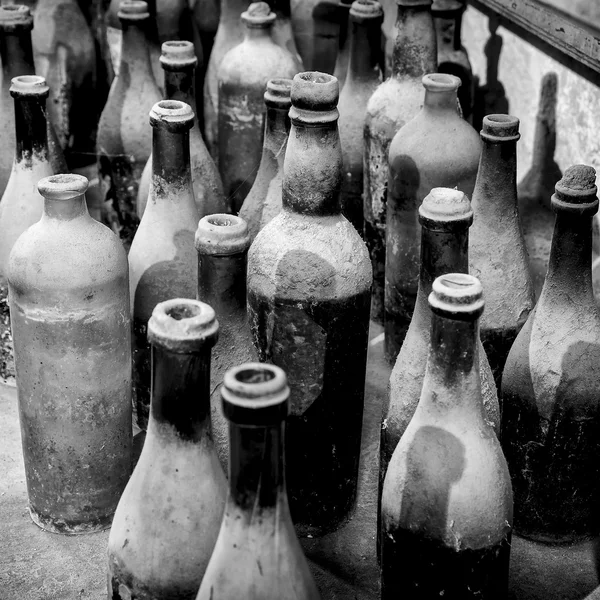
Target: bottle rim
x=222 y=234
x=457 y=296
x=178 y=53
x=63 y=186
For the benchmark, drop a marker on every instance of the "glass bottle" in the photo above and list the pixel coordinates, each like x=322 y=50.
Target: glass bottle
x=168 y=518
x=69 y=301
x=447 y=506
x=162 y=259
x=257 y=534
x=344 y=43
x=309 y=282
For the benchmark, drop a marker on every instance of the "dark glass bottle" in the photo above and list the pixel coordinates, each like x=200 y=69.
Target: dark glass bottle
x=344 y=43
x=257 y=534
x=551 y=383
x=446 y=506
x=222 y=242
x=309 y=281
x=168 y=518
x=501 y=265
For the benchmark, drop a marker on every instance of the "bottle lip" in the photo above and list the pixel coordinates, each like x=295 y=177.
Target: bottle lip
x=279 y=92
x=173 y=114
x=366 y=9
x=441 y=82
x=178 y=54
x=444 y=209
x=29 y=85
x=314 y=97
x=183 y=325
x=255 y=393
x=258 y=16
x=133 y=10
x=15 y=16
x=500 y=128
x=576 y=192
x=457 y=296
x=221 y=235
x=64 y=186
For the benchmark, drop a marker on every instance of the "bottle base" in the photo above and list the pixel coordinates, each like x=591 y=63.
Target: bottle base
x=64 y=527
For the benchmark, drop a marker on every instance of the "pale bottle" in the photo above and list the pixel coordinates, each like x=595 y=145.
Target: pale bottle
x=162 y=259
x=309 y=283
x=447 y=504
x=263 y=202
x=243 y=76
x=69 y=301
x=179 y=64
x=124 y=139
x=497 y=252
x=257 y=555
x=395 y=102
x=364 y=75
x=222 y=243
x=169 y=515
x=437 y=148
x=551 y=383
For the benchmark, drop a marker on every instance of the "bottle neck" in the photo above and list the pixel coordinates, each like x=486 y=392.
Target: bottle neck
x=276 y=133
x=256 y=466
x=179 y=85
x=440 y=102
x=16 y=52
x=222 y=282
x=181 y=392
x=171 y=156
x=258 y=34
x=415 y=46
x=135 y=56
x=365 y=50
x=65 y=210
x=30 y=129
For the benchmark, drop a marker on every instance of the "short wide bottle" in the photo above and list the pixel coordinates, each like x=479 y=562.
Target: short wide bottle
x=69 y=301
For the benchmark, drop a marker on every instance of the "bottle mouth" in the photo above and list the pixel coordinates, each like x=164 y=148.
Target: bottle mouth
x=15 y=15
x=133 y=10
x=222 y=235
x=172 y=113
x=576 y=192
x=441 y=82
x=445 y=208
x=29 y=85
x=366 y=9
x=457 y=296
x=279 y=92
x=500 y=128
x=63 y=187
x=258 y=16
x=183 y=325
x=178 y=53
x=314 y=97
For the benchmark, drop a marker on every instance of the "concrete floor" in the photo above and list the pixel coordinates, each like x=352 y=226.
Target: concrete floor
x=35 y=565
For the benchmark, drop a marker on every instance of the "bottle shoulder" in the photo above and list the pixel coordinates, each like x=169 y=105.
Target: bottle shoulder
x=396 y=100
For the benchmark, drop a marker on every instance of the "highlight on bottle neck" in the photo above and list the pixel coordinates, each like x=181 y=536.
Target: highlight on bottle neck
x=133 y=11
x=314 y=98
x=255 y=394
x=29 y=86
x=183 y=326
x=440 y=89
x=222 y=235
x=365 y=10
x=445 y=209
x=500 y=128
x=172 y=115
x=278 y=94
x=457 y=296
x=576 y=192
x=259 y=16
x=177 y=55
x=15 y=17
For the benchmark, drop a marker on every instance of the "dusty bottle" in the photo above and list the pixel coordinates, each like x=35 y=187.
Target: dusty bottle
x=263 y=202
x=452 y=56
x=344 y=43
x=502 y=266
x=364 y=75
x=435 y=149
x=309 y=282
x=551 y=383
x=69 y=301
x=395 y=102
x=168 y=518
x=179 y=63
x=162 y=259
x=446 y=507
x=222 y=243
x=243 y=76
x=257 y=534
x=124 y=139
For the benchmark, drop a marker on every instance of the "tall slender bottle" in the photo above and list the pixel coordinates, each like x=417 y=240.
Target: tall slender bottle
x=243 y=76
x=168 y=518
x=222 y=242
x=437 y=148
x=447 y=500
x=364 y=75
x=69 y=301
x=309 y=282
x=551 y=383
x=344 y=43
x=162 y=259
x=257 y=534
x=502 y=266
x=179 y=64
x=124 y=140
x=394 y=103
x=263 y=202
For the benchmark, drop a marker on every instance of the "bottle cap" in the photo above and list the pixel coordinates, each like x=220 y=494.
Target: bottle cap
x=133 y=10
x=441 y=82
x=278 y=94
x=445 y=209
x=259 y=16
x=15 y=16
x=409 y=3
x=177 y=54
x=576 y=192
x=183 y=325
x=500 y=128
x=222 y=235
x=314 y=97
x=255 y=394
x=366 y=9
x=63 y=187
x=457 y=296
x=28 y=85
x=174 y=115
